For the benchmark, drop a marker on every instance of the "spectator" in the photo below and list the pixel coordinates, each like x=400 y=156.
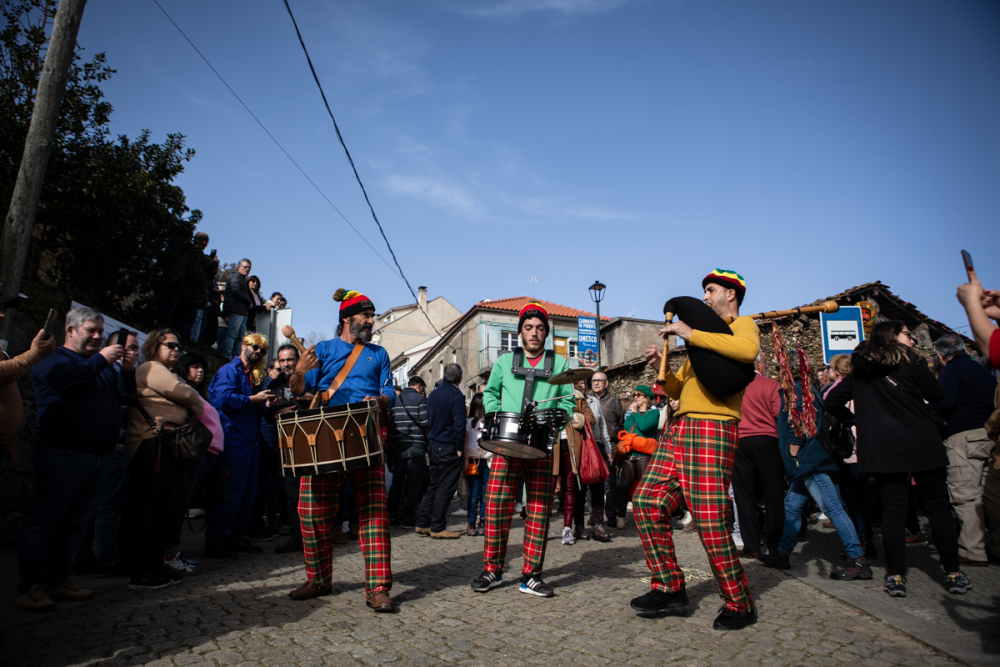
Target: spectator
x=409 y=437
x=574 y=494
x=159 y=485
x=478 y=457
x=264 y=524
x=758 y=462
x=11 y=407
x=232 y=393
x=211 y=265
x=642 y=419
x=967 y=404
x=277 y=301
x=982 y=305
x=808 y=468
x=614 y=416
x=79 y=400
x=897 y=439
x=603 y=438
x=99 y=548
x=446 y=437
x=257 y=306
x=235 y=310
x=288 y=357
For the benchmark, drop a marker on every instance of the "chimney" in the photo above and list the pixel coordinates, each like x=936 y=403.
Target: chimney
x=422 y=298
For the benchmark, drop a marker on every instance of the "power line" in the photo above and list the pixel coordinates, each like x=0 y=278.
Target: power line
x=278 y=144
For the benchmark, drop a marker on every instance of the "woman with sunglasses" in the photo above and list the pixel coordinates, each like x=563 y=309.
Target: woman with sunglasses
x=158 y=486
x=642 y=419
x=898 y=439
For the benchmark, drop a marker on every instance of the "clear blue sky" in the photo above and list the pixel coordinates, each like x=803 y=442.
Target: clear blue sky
x=810 y=146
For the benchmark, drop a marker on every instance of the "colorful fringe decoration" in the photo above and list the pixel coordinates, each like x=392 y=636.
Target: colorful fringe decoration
x=803 y=421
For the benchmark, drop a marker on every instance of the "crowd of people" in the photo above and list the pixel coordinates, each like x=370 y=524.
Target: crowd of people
x=112 y=493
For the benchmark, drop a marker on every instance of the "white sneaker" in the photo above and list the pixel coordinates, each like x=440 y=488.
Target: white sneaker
x=460 y=512
x=823 y=517
x=568 y=536
x=687 y=518
x=518 y=508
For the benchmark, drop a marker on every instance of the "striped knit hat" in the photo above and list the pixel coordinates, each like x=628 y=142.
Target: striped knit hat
x=729 y=280
x=533 y=309
x=352 y=303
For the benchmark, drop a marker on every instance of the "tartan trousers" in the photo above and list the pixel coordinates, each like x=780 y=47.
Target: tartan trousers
x=693 y=461
x=318 y=500
x=540 y=486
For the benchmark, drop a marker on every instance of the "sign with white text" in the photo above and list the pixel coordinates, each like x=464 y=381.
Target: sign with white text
x=586 y=340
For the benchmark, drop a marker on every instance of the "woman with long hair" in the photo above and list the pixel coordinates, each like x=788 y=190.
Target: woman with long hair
x=258 y=305
x=899 y=440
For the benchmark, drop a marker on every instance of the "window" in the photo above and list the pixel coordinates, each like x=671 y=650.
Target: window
x=572 y=349
x=509 y=340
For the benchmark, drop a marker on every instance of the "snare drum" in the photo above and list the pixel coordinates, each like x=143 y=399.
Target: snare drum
x=334 y=438
x=522 y=437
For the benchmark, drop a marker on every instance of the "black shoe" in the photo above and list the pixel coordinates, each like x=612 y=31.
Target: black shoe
x=486 y=581
x=856 y=568
x=288 y=547
x=657 y=602
x=734 y=620
x=243 y=546
x=149 y=582
x=778 y=560
x=219 y=549
x=174 y=576
x=535 y=586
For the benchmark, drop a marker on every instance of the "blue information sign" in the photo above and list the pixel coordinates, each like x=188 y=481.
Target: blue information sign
x=842 y=331
x=586 y=340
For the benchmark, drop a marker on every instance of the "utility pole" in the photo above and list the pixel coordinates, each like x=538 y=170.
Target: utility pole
x=20 y=219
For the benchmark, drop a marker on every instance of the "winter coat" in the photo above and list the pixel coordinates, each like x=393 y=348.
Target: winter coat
x=812 y=458
x=165 y=397
x=230 y=394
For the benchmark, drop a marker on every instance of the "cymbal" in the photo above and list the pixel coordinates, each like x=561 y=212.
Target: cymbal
x=572 y=375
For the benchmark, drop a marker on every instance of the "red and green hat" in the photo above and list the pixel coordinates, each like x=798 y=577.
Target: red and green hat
x=533 y=309
x=729 y=280
x=352 y=303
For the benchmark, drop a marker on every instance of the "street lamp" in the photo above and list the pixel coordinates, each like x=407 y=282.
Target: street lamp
x=596 y=295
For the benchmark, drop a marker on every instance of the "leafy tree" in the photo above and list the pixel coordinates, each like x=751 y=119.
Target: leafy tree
x=112 y=230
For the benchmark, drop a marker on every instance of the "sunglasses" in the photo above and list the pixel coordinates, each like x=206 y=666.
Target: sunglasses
x=172 y=346
x=259 y=348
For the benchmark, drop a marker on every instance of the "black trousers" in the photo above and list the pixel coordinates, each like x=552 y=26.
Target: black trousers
x=932 y=490
x=157 y=500
x=291 y=485
x=408 y=469
x=445 y=473
x=758 y=461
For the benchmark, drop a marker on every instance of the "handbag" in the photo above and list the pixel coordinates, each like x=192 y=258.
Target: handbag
x=593 y=470
x=836 y=438
x=185 y=444
x=472 y=466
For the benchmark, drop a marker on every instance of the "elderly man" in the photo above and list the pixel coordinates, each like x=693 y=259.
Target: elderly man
x=614 y=417
x=79 y=400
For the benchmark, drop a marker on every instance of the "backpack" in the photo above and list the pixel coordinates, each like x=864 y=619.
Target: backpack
x=836 y=438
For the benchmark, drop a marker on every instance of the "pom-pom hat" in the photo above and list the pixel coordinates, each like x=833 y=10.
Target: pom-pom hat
x=533 y=309
x=728 y=280
x=352 y=303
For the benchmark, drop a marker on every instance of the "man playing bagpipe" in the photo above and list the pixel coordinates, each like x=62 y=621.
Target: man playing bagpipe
x=694 y=460
x=368 y=377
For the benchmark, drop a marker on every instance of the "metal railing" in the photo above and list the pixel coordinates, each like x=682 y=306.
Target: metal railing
x=488 y=356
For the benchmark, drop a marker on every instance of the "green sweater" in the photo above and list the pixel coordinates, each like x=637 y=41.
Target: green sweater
x=645 y=424
x=504 y=391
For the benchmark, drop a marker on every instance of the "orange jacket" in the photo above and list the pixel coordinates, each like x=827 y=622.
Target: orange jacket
x=628 y=442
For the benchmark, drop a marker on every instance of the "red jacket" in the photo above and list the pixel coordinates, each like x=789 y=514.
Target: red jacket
x=761 y=405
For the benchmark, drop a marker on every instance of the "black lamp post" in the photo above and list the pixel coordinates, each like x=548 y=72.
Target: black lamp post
x=597 y=294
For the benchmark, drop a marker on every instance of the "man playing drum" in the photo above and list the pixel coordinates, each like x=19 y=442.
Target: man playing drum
x=695 y=460
x=369 y=378
x=505 y=392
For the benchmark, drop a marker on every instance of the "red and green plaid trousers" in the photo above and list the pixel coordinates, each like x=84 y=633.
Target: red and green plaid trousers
x=318 y=497
x=695 y=459
x=540 y=486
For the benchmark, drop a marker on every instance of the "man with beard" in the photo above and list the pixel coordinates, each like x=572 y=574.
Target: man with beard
x=369 y=377
x=232 y=394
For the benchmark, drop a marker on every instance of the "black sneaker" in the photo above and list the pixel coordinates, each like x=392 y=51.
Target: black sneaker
x=486 y=581
x=729 y=619
x=856 y=568
x=895 y=585
x=777 y=560
x=657 y=602
x=535 y=586
x=149 y=582
x=175 y=576
x=958 y=583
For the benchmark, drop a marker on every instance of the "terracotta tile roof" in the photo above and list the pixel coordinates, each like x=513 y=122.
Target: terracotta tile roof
x=515 y=303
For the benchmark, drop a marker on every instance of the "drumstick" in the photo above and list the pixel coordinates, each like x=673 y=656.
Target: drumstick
x=662 y=379
x=289 y=333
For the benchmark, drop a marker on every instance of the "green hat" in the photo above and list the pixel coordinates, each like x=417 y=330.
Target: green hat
x=645 y=389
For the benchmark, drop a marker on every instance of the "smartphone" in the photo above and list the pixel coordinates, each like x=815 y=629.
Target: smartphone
x=50 y=323
x=122 y=337
x=969 y=268
x=213 y=252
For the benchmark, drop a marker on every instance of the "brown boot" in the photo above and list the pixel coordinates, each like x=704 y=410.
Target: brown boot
x=600 y=534
x=309 y=591
x=67 y=591
x=446 y=535
x=381 y=603
x=422 y=532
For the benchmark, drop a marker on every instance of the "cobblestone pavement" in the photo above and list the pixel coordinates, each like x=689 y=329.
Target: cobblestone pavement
x=239 y=613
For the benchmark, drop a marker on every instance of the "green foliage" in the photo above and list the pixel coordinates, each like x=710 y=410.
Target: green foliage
x=112 y=230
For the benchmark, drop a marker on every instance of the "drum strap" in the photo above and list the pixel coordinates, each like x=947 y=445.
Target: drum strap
x=530 y=373
x=345 y=370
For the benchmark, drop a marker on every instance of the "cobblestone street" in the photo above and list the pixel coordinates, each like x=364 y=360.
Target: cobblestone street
x=239 y=613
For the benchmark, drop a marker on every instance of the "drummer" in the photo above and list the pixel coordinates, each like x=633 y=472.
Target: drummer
x=505 y=392
x=368 y=378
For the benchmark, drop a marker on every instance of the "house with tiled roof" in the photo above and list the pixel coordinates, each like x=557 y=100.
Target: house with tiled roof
x=487 y=331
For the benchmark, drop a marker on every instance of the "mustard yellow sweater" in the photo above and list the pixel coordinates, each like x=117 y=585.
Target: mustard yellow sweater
x=696 y=402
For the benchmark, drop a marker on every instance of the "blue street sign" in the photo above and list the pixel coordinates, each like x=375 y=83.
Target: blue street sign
x=842 y=331
x=586 y=340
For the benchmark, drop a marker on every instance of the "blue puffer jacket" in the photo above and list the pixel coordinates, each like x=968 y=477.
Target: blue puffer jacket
x=230 y=393
x=812 y=457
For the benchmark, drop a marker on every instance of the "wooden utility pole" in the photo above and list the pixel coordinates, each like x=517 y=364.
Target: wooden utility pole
x=20 y=220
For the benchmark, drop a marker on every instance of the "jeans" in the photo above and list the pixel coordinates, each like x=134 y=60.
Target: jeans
x=855 y=488
x=408 y=469
x=232 y=345
x=101 y=540
x=67 y=487
x=446 y=471
x=477 y=493
x=932 y=488
x=824 y=492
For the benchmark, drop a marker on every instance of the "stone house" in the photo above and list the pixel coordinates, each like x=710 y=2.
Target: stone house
x=403 y=327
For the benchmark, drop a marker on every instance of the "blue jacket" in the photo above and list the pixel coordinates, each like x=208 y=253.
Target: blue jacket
x=79 y=401
x=446 y=416
x=230 y=394
x=812 y=457
x=371 y=375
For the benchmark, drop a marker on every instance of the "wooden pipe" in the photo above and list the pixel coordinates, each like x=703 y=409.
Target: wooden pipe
x=662 y=378
x=825 y=307
x=288 y=332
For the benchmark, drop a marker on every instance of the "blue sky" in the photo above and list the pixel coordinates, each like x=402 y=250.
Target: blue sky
x=810 y=146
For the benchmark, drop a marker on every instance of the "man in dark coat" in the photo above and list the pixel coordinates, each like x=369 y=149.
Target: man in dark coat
x=409 y=437
x=446 y=421
x=237 y=301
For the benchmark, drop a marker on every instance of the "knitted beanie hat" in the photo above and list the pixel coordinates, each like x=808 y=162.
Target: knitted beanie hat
x=728 y=280
x=533 y=309
x=352 y=303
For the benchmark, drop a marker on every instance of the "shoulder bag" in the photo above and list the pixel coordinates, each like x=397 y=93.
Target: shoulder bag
x=185 y=444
